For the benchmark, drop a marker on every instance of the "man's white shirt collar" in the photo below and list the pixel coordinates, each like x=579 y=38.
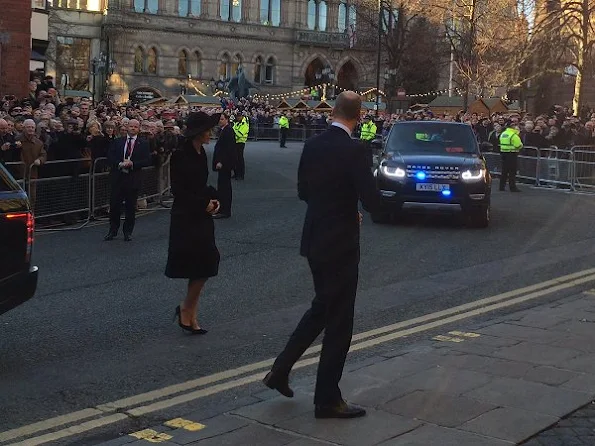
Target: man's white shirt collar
x=342 y=126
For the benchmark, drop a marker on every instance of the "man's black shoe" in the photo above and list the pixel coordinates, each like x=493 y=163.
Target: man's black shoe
x=218 y=216
x=127 y=237
x=339 y=410
x=110 y=236
x=280 y=384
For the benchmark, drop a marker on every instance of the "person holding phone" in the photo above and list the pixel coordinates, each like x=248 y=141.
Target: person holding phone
x=192 y=252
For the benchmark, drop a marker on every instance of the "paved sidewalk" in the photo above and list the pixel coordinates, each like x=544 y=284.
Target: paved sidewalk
x=492 y=384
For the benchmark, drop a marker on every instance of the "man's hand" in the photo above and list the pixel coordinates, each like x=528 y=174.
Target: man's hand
x=218 y=166
x=18 y=144
x=360 y=218
x=213 y=207
x=127 y=163
x=5 y=146
x=37 y=162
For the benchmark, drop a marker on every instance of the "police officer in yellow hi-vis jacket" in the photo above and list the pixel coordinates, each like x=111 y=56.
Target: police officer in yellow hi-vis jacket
x=240 y=128
x=510 y=146
x=367 y=135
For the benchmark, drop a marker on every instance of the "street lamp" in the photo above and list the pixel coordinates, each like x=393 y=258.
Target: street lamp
x=97 y=66
x=378 y=55
x=389 y=83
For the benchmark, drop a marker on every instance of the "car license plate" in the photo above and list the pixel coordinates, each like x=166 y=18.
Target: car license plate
x=431 y=187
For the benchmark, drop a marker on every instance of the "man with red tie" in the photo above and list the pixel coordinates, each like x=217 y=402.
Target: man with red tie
x=126 y=156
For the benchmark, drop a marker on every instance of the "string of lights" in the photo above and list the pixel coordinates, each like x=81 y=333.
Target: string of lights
x=307 y=90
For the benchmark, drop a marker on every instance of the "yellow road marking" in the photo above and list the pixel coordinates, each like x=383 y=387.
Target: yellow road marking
x=184 y=424
x=151 y=436
x=437 y=319
x=463 y=334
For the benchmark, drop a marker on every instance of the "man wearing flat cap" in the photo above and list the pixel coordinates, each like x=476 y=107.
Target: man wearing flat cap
x=224 y=161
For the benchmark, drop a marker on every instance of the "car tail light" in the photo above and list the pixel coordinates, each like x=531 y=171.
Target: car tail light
x=29 y=221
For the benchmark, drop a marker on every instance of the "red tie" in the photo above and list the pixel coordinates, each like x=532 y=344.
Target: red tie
x=128 y=149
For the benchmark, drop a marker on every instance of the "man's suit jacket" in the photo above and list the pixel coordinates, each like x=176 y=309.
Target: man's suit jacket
x=333 y=176
x=141 y=157
x=225 y=150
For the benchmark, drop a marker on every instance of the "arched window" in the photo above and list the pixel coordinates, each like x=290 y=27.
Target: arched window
x=312 y=7
x=322 y=15
x=139 y=60
x=237 y=62
x=231 y=10
x=196 y=65
x=270 y=12
x=152 y=61
x=189 y=8
x=258 y=70
x=342 y=21
x=224 y=67
x=183 y=63
x=269 y=72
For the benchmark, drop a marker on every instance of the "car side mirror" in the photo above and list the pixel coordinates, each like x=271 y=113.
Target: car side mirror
x=486 y=147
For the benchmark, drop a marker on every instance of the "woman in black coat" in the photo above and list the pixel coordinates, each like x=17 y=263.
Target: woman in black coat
x=192 y=252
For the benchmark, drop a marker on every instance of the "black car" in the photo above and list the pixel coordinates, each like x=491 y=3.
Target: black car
x=18 y=278
x=434 y=166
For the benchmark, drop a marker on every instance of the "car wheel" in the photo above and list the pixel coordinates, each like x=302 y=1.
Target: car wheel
x=380 y=217
x=480 y=218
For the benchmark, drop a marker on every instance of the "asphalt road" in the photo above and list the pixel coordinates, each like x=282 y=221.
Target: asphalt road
x=100 y=326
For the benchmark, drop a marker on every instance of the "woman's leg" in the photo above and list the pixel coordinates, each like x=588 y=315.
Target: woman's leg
x=189 y=307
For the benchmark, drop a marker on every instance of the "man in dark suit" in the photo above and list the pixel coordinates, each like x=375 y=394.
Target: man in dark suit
x=126 y=156
x=224 y=161
x=333 y=176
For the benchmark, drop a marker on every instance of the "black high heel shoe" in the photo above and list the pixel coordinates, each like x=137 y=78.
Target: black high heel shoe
x=187 y=328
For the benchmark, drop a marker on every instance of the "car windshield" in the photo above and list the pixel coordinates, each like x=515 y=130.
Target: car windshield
x=431 y=138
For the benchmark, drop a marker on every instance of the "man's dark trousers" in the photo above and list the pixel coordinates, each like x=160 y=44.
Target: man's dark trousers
x=335 y=284
x=240 y=169
x=224 y=190
x=122 y=190
x=284 y=132
x=509 y=169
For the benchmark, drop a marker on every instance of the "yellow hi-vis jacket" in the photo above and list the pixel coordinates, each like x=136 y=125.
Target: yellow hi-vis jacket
x=368 y=132
x=510 y=141
x=241 y=129
x=283 y=122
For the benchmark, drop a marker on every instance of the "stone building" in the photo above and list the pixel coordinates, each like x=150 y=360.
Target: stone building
x=15 y=47
x=145 y=48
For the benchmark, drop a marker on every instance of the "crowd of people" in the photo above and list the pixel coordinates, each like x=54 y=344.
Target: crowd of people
x=77 y=129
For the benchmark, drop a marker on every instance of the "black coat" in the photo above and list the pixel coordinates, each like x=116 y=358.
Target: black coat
x=333 y=177
x=141 y=157
x=225 y=150
x=192 y=252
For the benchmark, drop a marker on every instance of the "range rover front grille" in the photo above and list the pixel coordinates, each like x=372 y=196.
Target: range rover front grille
x=434 y=172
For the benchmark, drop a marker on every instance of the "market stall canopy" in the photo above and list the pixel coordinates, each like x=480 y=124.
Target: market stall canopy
x=496 y=105
x=283 y=105
x=157 y=101
x=300 y=105
x=323 y=106
x=196 y=100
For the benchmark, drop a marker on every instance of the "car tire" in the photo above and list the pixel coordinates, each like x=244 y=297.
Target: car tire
x=380 y=218
x=480 y=217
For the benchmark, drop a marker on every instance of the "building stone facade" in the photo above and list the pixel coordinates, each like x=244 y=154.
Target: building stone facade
x=162 y=47
x=15 y=47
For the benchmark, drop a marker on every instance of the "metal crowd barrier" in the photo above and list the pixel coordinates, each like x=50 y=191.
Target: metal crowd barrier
x=67 y=191
x=271 y=132
x=573 y=168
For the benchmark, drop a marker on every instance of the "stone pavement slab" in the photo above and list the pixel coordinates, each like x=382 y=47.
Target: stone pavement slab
x=530 y=396
x=278 y=409
x=537 y=353
x=375 y=427
x=214 y=427
x=437 y=408
x=446 y=379
x=509 y=424
x=251 y=435
x=552 y=376
x=441 y=436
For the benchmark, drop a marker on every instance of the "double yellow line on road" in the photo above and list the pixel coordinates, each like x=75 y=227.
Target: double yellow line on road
x=170 y=396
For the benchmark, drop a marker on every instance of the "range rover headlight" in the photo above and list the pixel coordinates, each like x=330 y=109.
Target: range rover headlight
x=474 y=174
x=393 y=172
